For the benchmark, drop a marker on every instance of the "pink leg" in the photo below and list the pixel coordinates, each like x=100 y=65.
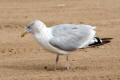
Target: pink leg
x=68 y=65
x=57 y=59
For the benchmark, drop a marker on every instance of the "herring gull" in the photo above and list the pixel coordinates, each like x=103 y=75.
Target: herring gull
x=62 y=39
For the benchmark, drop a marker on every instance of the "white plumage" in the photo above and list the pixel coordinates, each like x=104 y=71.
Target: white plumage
x=63 y=38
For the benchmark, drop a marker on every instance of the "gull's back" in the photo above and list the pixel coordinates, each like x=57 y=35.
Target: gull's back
x=70 y=37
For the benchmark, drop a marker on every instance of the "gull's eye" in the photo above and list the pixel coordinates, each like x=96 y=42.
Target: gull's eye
x=28 y=27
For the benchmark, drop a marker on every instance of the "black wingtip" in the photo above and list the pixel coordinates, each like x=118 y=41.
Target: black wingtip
x=106 y=40
x=101 y=41
x=97 y=41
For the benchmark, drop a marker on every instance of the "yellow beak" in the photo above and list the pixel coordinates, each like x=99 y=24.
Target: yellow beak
x=23 y=34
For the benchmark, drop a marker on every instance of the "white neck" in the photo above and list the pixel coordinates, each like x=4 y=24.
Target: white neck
x=43 y=35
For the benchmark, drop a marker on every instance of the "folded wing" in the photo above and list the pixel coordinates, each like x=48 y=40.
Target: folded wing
x=71 y=37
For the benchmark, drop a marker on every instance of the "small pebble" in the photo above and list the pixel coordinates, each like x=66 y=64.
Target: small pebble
x=45 y=67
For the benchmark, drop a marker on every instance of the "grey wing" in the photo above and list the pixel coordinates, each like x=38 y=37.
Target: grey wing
x=70 y=36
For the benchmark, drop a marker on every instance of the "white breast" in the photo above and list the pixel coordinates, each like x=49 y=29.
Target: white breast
x=43 y=39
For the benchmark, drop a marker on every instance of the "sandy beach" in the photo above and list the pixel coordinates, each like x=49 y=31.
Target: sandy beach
x=24 y=59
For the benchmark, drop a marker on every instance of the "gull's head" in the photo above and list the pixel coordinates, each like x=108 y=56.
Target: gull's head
x=34 y=27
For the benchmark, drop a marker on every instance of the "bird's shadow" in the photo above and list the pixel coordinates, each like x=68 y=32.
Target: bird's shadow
x=40 y=67
x=35 y=67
